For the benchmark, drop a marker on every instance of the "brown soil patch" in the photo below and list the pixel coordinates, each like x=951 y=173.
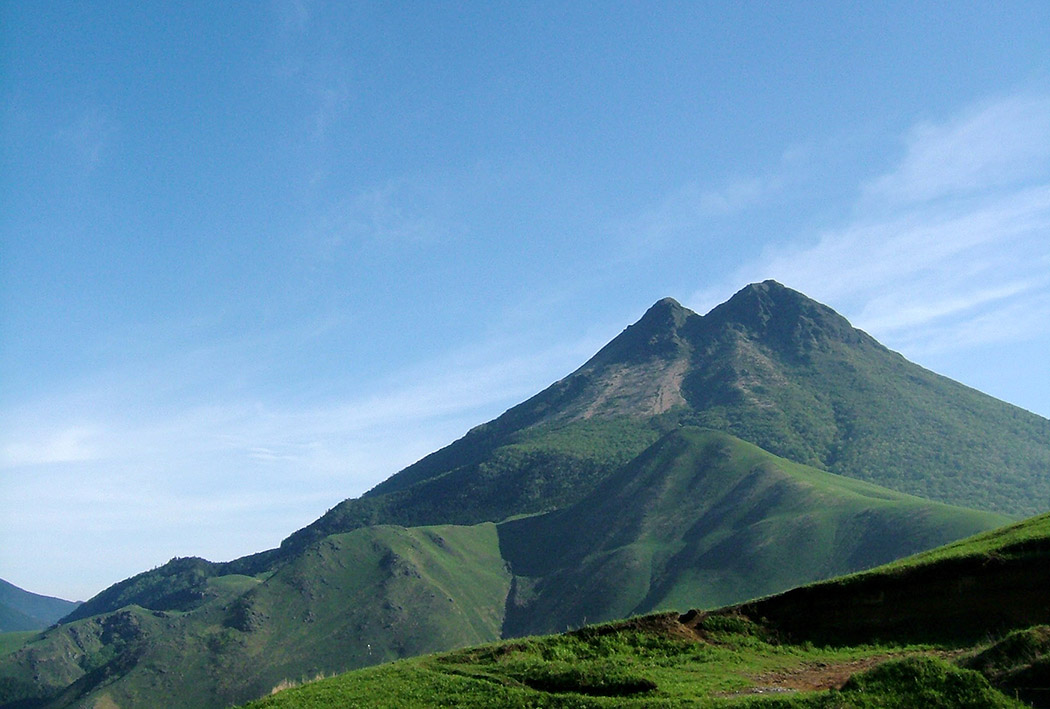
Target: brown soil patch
x=818 y=675
x=815 y=676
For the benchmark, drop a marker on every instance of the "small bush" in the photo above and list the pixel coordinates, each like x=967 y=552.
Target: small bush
x=923 y=682
x=1018 y=649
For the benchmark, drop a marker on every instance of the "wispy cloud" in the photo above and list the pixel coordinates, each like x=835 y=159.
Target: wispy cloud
x=66 y=444
x=305 y=59
x=293 y=16
x=693 y=206
x=397 y=211
x=88 y=138
x=997 y=143
x=946 y=248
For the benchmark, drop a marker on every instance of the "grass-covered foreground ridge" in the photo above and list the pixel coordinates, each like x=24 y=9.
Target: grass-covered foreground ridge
x=661 y=661
x=788 y=650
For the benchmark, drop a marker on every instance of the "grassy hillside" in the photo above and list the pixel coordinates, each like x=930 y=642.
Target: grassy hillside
x=705 y=519
x=9 y=642
x=987 y=584
x=762 y=654
x=521 y=472
x=359 y=598
x=658 y=662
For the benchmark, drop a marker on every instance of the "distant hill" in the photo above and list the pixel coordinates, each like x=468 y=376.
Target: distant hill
x=22 y=610
x=979 y=607
x=694 y=461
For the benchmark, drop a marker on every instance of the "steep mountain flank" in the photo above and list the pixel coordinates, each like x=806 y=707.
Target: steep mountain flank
x=790 y=375
x=546 y=452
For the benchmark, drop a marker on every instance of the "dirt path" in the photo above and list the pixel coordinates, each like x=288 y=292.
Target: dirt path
x=814 y=676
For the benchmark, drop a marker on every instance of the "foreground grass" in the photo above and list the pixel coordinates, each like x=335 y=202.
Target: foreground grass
x=727 y=661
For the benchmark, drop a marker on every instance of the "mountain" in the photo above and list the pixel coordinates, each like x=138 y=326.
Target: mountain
x=979 y=607
x=769 y=366
x=22 y=610
x=693 y=461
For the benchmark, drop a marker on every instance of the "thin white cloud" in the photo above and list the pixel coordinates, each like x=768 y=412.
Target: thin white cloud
x=1012 y=321
x=293 y=16
x=398 y=212
x=692 y=206
x=67 y=444
x=994 y=144
x=88 y=138
x=332 y=100
x=957 y=252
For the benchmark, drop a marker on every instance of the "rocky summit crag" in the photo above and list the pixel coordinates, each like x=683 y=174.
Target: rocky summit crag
x=694 y=461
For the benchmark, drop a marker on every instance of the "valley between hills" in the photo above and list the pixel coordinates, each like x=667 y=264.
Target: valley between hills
x=696 y=462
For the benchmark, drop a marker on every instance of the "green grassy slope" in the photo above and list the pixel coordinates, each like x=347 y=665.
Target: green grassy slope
x=179 y=585
x=9 y=642
x=657 y=662
x=353 y=599
x=990 y=583
x=528 y=471
x=705 y=519
x=762 y=654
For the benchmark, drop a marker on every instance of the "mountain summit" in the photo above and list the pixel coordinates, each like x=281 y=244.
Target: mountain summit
x=777 y=315
x=693 y=461
x=770 y=366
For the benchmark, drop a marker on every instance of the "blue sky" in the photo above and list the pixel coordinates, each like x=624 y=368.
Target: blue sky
x=256 y=257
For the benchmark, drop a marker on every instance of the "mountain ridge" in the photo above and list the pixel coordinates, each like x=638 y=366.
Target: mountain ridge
x=703 y=504
x=732 y=370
